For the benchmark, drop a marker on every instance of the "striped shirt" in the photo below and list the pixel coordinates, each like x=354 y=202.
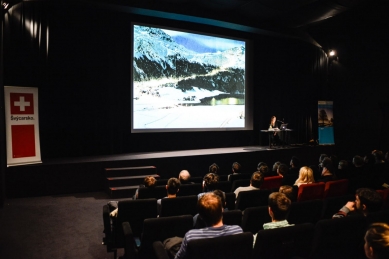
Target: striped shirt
x=209 y=232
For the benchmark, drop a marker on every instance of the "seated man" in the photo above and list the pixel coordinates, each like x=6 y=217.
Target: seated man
x=235 y=169
x=279 y=206
x=256 y=181
x=184 y=177
x=211 y=211
x=172 y=187
x=210 y=183
x=366 y=201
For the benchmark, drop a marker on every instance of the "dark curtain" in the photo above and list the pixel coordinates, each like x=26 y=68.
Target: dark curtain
x=80 y=59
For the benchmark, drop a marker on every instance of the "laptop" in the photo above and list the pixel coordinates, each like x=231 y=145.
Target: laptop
x=284 y=126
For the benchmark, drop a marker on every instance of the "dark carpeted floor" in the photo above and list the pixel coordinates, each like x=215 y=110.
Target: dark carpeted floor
x=68 y=226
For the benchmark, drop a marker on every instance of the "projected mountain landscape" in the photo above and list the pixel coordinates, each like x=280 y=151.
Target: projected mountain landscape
x=185 y=80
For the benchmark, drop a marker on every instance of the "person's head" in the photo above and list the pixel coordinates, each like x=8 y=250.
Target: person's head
x=287 y=190
x=210 y=182
x=358 y=161
x=150 y=181
x=282 y=169
x=305 y=175
x=343 y=164
x=327 y=166
x=294 y=162
x=236 y=168
x=273 y=119
x=321 y=158
x=378 y=156
x=275 y=166
x=377 y=241
x=210 y=209
x=222 y=197
x=260 y=164
x=367 y=200
x=214 y=168
x=173 y=185
x=184 y=176
x=264 y=169
x=257 y=179
x=279 y=205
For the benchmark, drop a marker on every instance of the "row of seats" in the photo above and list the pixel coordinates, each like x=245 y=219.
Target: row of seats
x=329 y=238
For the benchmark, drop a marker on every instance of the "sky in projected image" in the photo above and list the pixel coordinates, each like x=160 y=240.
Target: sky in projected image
x=187 y=81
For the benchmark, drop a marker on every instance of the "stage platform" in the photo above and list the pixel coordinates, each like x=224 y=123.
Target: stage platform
x=87 y=174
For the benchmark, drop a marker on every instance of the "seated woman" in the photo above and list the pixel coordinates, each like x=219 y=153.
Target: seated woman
x=305 y=176
x=377 y=241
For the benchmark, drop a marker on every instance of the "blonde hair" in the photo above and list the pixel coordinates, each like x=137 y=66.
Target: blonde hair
x=305 y=176
x=377 y=237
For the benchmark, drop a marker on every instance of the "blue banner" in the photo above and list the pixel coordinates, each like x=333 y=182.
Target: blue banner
x=326 y=123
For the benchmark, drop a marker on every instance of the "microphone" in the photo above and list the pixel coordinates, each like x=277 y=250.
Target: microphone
x=280 y=121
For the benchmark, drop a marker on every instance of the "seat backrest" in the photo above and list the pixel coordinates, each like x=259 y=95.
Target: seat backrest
x=378 y=216
x=254 y=218
x=336 y=188
x=305 y=212
x=232 y=217
x=332 y=205
x=234 y=177
x=190 y=189
x=272 y=182
x=230 y=200
x=310 y=191
x=233 y=246
x=339 y=238
x=224 y=186
x=134 y=212
x=159 y=229
x=179 y=206
x=385 y=198
x=156 y=192
x=238 y=183
x=252 y=198
x=283 y=243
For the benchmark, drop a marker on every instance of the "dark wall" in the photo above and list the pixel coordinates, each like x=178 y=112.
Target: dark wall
x=84 y=76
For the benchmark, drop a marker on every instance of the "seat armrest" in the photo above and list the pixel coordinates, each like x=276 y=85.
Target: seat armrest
x=159 y=250
x=130 y=248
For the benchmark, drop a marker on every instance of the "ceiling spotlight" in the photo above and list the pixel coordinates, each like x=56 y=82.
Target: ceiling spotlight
x=5 y=5
x=332 y=53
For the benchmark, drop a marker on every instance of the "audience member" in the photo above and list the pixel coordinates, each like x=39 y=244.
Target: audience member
x=327 y=173
x=172 y=187
x=366 y=201
x=260 y=164
x=294 y=166
x=275 y=167
x=210 y=183
x=255 y=183
x=211 y=211
x=149 y=182
x=279 y=205
x=184 y=177
x=377 y=241
x=289 y=191
x=214 y=168
x=236 y=169
x=199 y=223
x=305 y=176
x=264 y=169
x=343 y=171
x=283 y=171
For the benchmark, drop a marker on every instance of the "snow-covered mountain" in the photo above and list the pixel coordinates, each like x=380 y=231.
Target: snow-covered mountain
x=157 y=55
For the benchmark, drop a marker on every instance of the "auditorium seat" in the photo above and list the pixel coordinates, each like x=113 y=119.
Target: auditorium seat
x=179 y=206
x=230 y=217
x=272 y=183
x=385 y=198
x=305 y=212
x=132 y=211
x=341 y=238
x=156 y=192
x=230 y=200
x=332 y=205
x=284 y=243
x=239 y=183
x=310 y=191
x=378 y=216
x=158 y=229
x=224 y=186
x=254 y=218
x=190 y=189
x=335 y=188
x=252 y=198
x=234 y=177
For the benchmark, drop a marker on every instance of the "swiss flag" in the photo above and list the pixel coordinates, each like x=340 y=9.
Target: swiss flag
x=22 y=103
x=23 y=141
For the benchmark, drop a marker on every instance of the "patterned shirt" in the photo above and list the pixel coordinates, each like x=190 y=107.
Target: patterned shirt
x=209 y=232
x=273 y=225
